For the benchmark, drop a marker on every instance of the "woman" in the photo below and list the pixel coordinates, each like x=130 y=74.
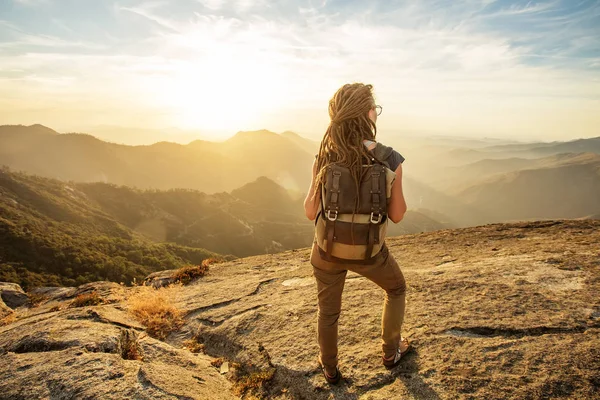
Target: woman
x=349 y=140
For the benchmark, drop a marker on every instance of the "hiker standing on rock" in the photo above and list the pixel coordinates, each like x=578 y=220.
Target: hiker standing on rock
x=356 y=187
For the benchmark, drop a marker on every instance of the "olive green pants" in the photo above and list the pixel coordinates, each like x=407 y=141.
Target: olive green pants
x=330 y=277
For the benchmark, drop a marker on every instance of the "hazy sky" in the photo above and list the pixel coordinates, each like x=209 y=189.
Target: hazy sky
x=515 y=69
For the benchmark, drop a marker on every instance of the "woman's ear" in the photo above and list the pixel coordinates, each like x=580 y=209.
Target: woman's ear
x=373 y=115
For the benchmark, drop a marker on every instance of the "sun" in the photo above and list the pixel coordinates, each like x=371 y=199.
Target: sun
x=222 y=93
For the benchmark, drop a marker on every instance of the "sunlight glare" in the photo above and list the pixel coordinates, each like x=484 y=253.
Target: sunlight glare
x=222 y=93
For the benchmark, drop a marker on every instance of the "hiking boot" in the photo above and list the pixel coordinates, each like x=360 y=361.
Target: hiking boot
x=393 y=362
x=332 y=380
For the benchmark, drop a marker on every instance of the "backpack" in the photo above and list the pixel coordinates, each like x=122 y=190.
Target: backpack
x=350 y=229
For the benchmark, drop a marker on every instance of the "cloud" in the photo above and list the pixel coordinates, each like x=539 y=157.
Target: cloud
x=480 y=60
x=22 y=41
x=213 y=4
x=528 y=8
x=145 y=11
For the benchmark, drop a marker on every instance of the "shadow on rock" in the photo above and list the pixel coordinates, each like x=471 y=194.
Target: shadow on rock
x=408 y=373
x=309 y=383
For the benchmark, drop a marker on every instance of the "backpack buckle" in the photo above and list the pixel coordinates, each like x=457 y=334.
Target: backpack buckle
x=329 y=217
x=375 y=221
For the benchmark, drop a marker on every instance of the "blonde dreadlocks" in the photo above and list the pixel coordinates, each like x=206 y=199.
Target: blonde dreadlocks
x=350 y=125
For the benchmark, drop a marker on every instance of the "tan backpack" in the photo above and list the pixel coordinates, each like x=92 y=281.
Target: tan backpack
x=351 y=229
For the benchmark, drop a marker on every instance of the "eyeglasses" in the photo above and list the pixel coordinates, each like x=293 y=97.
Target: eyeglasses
x=378 y=109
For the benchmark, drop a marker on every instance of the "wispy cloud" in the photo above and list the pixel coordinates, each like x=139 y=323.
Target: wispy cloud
x=213 y=4
x=145 y=11
x=530 y=7
x=434 y=63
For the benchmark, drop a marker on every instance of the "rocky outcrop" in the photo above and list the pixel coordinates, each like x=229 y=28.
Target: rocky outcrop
x=54 y=292
x=80 y=353
x=12 y=295
x=160 y=279
x=497 y=311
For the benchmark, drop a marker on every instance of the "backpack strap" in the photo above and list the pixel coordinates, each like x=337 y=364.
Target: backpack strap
x=376 y=216
x=375 y=192
x=335 y=192
x=332 y=210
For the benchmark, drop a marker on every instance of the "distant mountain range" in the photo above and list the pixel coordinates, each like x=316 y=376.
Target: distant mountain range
x=457 y=181
x=560 y=187
x=430 y=163
x=142 y=136
x=506 y=182
x=541 y=149
x=456 y=178
x=207 y=166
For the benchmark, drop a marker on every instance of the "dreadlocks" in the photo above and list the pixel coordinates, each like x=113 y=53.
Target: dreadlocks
x=350 y=125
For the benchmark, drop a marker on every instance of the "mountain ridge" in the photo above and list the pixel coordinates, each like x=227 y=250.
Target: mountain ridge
x=437 y=182
x=52 y=235
x=82 y=227
x=568 y=189
x=85 y=158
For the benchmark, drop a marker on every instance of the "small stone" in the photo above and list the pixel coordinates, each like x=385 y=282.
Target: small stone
x=224 y=367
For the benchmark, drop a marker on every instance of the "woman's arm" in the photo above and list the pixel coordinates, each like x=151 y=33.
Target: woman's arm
x=397 y=206
x=312 y=206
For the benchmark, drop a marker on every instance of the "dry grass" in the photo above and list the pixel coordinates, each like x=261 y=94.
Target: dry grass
x=217 y=362
x=190 y=273
x=193 y=346
x=249 y=381
x=155 y=310
x=36 y=299
x=253 y=384
x=86 y=299
x=212 y=260
x=129 y=346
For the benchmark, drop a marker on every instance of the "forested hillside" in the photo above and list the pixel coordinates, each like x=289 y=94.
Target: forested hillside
x=51 y=234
